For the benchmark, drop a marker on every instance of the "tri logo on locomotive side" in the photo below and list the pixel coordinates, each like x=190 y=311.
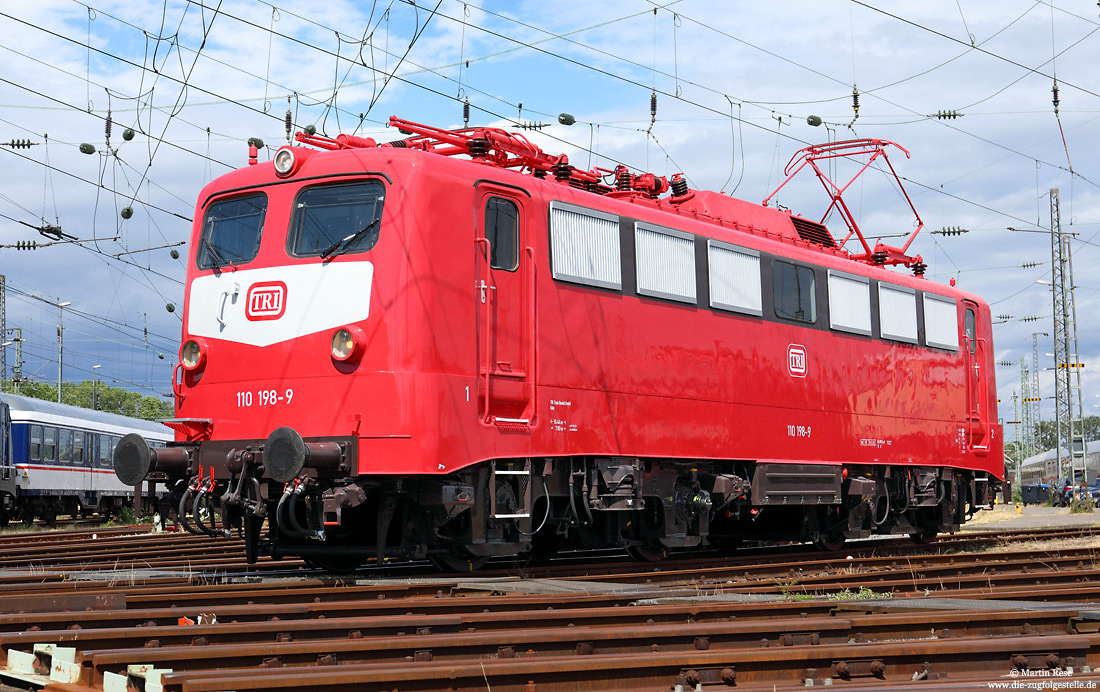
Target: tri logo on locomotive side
x=796 y=360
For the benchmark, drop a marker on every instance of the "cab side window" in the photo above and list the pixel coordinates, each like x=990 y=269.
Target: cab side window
x=971 y=331
x=502 y=232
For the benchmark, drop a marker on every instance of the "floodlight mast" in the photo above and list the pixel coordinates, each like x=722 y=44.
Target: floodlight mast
x=873 y=149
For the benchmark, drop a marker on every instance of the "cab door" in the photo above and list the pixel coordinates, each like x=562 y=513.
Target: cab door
x=977 y=380
x=504 y=297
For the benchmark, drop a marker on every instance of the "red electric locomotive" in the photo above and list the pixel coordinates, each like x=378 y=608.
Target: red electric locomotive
x=455 y=346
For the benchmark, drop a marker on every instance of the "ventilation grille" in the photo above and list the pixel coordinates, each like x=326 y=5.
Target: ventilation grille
x=813 y=232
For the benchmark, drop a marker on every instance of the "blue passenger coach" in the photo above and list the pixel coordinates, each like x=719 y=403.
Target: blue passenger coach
x=57 y=459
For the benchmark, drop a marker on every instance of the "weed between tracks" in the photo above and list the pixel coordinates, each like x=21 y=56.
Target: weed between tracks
x=862 y=594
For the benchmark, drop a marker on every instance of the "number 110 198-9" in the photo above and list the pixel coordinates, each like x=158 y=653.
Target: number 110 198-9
x=264 y=397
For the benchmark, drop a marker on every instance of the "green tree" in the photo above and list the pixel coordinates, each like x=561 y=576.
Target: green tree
x=1047 y=432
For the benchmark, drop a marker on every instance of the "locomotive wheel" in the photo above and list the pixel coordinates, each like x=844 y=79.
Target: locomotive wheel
x=923 y=537
x=455 y=563
x=830 y=543
x=338 y=564
x=647 y=552
x=544 y=547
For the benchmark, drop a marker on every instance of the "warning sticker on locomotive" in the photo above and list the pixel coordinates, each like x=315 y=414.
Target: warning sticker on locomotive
x=796 y=360
x=559 y=409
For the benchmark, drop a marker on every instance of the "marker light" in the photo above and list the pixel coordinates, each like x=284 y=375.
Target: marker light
x=193 y=354
x=347 y=343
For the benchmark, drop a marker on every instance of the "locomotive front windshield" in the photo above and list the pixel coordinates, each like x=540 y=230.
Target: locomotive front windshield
x=336 y=219
x=231 y=231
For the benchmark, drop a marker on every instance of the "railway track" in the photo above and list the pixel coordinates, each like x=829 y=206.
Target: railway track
x=133 y=610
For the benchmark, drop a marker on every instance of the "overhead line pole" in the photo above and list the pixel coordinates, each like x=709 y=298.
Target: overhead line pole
x=1066 y=358
x=1037 y=412
x=3 y=330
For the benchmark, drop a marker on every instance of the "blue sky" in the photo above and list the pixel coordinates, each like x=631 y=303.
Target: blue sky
x=735 y=83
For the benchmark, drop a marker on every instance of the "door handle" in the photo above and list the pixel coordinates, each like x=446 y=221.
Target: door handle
x=485 y=287
x=221 y=306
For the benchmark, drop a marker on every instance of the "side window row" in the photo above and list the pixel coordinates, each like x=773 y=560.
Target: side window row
x=586 y=247
x=68 y=446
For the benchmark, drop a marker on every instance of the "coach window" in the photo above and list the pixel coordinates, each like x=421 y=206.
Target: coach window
x=104 y=450
x=794 y=292
x=231 y=232
x=49 y=444
x=78 y=447
x=336 y=219
x=502 y=232
x=36 y=443
x=64 y=444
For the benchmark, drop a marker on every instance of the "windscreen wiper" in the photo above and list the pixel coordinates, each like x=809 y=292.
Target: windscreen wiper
x=344 y=243
x=216 y=259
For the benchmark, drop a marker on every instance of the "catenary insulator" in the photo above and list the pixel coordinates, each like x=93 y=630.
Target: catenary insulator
x=478 y=148
x=107 y=127
x=622 y=178
x=679 y=185
x=653 y=107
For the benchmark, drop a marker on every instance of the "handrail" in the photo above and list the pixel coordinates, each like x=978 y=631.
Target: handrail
x=486 y=346
x=532 y=353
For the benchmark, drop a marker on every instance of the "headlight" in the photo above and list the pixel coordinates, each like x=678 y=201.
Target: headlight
x=284 y=161
x=192 y=354
x=347 y=343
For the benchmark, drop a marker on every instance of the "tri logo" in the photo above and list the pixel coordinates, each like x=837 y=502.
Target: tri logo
x=266 y=300
x=796 y=360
